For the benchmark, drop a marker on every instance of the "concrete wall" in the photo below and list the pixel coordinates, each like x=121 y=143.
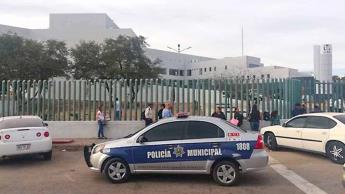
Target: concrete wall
x=113 y=129
x=89 y=129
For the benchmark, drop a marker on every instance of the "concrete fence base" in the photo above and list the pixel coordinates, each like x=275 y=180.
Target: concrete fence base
x=113 y=129
x=89 y=129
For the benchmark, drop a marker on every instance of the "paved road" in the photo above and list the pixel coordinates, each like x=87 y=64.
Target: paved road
x=67 y=173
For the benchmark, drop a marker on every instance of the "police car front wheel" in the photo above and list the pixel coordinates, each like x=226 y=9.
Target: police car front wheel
x=225 y=173
x=116 y=170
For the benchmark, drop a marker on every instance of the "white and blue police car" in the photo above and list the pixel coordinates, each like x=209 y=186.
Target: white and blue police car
x=183 y=144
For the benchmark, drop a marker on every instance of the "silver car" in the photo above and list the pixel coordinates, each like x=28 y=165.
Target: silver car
x=184 y=145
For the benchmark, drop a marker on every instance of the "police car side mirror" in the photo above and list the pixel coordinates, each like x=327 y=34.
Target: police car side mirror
x=284 y=125
x=45 y=124
x=141 y=139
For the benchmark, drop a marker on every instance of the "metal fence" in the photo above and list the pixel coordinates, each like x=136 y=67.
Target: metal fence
x=78 y=99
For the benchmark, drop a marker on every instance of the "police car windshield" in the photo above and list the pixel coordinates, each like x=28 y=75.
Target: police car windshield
x=232 y=125
x=132 y=134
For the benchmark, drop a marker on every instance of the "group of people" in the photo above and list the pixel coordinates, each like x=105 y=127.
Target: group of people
x=253 y=118
x=165 y=111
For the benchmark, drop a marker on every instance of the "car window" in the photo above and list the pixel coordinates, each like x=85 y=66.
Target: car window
x=166 y=132
x=201 y=130
x=20 y=122
x=340 y=118
x=297 y=122
x=320 y=123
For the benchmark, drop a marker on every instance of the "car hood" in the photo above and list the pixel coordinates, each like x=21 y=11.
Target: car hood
x=123 y=142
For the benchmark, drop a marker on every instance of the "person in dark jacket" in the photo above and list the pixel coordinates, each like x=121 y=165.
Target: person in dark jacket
x=298 y=110
x=160 y=116
x=218 y=113
x=254 y=118
x=275 y=118
x=238 y=116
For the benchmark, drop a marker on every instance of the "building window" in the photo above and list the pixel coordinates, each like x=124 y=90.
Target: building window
x=210 y=68
x=200 y=71
x=268 y=76
x=215 y=69
x=181 y=73
x=253 y=65
x=262 y=76
x=226 y=67
x=189 y=72
x=205 y=69
x=173 y=72
x=163 y=71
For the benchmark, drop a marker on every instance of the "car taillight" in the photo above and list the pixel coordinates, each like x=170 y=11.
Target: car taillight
x=259 y=143
x=7 y=136
x=38 y=134
x=46 y=134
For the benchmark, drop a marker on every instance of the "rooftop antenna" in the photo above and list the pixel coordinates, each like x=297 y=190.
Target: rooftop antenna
x=179 y=50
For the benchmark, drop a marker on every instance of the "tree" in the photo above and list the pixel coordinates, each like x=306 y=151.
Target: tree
x=121 y=58
x=86 y=61
x=26 y=59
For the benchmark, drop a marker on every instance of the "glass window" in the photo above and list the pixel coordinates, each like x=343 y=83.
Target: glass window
x=201 y=130
x=340 y=118
x=210 y=68
x=200 y=71
x=189 y=72
x=205 y=69
x=181 y=73
x=173 y=72
x=320 y=123
x=166 y=132
x=214 y=68
x=163 y=71
x=226 y=67
x=297 y=122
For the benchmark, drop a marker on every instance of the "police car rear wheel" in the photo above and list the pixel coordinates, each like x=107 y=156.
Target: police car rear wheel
x=225 y=173
x=116 y=170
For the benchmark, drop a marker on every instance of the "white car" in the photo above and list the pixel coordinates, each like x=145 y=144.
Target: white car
x=23 y=135
x=316 y=132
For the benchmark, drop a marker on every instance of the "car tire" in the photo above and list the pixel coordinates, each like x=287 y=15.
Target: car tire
x=226 y=173
x=271 y=141
x=47 y=156
x=335 y=151
x=116 y=170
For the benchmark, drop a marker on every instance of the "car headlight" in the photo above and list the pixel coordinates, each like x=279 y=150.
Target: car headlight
x=98 y=148
x=105 y=150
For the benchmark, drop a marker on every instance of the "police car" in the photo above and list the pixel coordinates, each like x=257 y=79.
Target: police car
x=184 y=145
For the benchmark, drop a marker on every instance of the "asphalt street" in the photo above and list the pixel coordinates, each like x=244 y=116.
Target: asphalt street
x=67 y=173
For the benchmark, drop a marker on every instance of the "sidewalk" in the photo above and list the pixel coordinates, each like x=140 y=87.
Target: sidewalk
x=76 y=144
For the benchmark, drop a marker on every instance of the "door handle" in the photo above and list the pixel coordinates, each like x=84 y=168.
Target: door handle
x=215 y=145
x=298 y=131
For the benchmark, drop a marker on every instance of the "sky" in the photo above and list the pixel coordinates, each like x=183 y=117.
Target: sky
x=280 y=32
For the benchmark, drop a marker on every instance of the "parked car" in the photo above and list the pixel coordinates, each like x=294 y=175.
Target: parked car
x=23 y=135
x=316 y=132
x=184 y=145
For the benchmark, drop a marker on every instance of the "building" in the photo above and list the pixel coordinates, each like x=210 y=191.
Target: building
x=73 y=28
x=323 y=62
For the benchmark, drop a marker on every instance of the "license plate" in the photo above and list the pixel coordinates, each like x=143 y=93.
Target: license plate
x=22 y=147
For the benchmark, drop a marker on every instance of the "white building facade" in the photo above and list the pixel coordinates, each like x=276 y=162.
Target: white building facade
x=73 y=28
x=323 y=62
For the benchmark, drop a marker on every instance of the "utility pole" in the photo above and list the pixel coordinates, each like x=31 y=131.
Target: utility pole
x=178 y=50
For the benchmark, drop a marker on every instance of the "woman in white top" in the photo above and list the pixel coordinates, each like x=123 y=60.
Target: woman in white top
x=100 y=116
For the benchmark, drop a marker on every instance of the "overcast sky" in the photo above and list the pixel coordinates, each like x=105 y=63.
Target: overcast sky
x=280 y=32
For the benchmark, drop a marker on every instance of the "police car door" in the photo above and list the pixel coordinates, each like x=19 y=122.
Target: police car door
x=202 y=144
x=157 y=151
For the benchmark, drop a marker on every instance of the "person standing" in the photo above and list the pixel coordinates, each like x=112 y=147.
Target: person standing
x=117 y=109
x=238 y=116
x=166 y=113
x=275 y=118
x=218 y=113
x=254 y=118
x=148 y=115
x=100 y=117
x=160 y=112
